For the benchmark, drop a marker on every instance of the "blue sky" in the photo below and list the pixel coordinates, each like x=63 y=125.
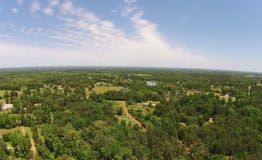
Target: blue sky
x=217 y=34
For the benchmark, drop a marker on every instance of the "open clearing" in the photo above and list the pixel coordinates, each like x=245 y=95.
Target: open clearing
x=144 y=108
x=130 y=117
x=102 y=88
x=2 y=92
x=27 y=130
x=126 y=116
x=5 y=131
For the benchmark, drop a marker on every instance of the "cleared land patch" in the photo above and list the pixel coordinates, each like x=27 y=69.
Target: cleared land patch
x=103 y=89
x=5 y=131
x=100 y=88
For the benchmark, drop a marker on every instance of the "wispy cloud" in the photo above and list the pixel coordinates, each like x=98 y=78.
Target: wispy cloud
x=35 y=6
x=96 y=41
x=129 y=7
x=53 y=3
x=14 y=10
x=48 y=11
x=5 y=36
x=129 y=1
x=128 y=10
x=20 y=29
x=20 y=2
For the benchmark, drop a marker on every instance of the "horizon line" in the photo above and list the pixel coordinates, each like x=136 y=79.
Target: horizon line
x=127 y=67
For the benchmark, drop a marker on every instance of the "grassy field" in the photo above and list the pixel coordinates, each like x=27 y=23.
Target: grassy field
x=142 y=75
x=139 y=106
x=5 y=131
x=116 y=106
x=225 y=97
x=39 y=129
x=2 y=93
x=2 y=101
x=98 y=88
x=28 y=131
x=5 y=112
x=103 y=89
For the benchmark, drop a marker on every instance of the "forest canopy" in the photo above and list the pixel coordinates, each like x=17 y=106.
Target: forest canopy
x=114 y=113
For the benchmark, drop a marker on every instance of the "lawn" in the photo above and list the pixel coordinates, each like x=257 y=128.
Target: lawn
x=103 y=89
x=139 y=106
x=5 y=131
x=5 y=112
x=2 y=93
x=116 y=106
x=100 y=88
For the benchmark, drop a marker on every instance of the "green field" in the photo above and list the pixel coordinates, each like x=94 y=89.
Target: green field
x=140 y=107
x=100 y=88
x=5 y=131
x=103 y=89
x=2 y=93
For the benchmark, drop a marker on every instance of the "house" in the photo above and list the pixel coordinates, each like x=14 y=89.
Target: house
x=151 y=83
x=178 y=92
x=196 y=92
x=145 y=104
x=7 y=107
x=124 y=90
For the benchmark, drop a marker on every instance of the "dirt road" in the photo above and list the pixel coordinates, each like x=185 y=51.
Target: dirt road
x=130 y=117
x=33 y=148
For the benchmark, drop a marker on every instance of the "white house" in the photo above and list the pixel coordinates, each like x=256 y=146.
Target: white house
x=151 y=83
x=7 y=106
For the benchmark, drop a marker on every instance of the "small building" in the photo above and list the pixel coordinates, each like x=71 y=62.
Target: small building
x=196 y=92
x=37 y=105
x=145 y=104
x=178 y=92
x=151 y=83
x=124 y=90
x=7 y=107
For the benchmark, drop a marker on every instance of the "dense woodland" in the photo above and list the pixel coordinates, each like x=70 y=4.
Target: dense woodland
x=76 y=113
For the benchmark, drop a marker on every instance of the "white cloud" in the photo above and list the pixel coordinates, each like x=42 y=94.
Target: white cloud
x=128 y=10
x=22 y=29
x=49 y=11
x=19 y=2
x=129 y=7
x=14 y=10
x=67 y=6
x=39 y=30
x=35 y=6
x=86 y=39
x=129 y=1
x=5 y=36
x=54 y=3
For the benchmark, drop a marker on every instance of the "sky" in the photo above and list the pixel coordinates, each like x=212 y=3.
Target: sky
x=204 y=34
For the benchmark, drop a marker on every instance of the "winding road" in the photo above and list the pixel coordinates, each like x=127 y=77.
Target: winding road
x=33 y=148
x=130 y=117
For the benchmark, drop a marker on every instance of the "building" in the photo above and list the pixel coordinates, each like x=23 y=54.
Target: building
x=151 y=83
x=124 y=90
x=178 y=92
x=7 y=107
